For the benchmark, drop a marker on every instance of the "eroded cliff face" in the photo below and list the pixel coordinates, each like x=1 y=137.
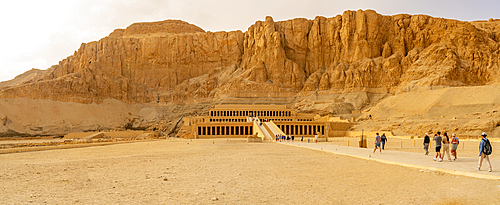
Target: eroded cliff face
x=133 y=66
x=173 y=61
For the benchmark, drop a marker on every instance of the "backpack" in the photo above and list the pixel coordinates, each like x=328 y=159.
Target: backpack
x=487 y=147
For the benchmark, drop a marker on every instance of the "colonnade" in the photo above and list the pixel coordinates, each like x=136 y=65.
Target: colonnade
x=197 y=120
x=225 y=130
x=302 y=129
x=280 y=119
x=245 y=120
x=257 y=113
x=228 y=120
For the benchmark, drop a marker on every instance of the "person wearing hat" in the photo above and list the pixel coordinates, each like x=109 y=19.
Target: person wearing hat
x=427 y=140
x=481 y=154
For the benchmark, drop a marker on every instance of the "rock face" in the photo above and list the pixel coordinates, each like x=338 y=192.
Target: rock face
x=28 y=76
x=132 y=66
x=359 y=58
x=358 y=50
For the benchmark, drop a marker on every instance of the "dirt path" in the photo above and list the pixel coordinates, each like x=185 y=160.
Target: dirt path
x=179 y=171
x=466 y=148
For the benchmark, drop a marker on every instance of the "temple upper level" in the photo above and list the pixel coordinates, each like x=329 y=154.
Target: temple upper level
x=251 y=110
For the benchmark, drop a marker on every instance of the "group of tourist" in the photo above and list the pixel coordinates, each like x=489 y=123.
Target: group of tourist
x=443 y=147
x=442 y=144
x=285 y=138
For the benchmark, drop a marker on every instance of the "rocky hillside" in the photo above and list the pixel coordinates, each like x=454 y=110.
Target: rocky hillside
x=356 y=51
x=355 y=59
x=28 y=76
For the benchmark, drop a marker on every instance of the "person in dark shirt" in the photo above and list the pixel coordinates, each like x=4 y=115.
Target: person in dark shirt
x=384 y=139
x=427 y=140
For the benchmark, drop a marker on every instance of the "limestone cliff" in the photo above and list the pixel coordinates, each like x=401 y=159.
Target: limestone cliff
x=346 y=63
x=132 y=66
x=358 y=50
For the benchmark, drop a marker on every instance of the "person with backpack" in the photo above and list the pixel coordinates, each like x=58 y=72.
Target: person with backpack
x=484 y=152
x=384 y=139
x=454 y=146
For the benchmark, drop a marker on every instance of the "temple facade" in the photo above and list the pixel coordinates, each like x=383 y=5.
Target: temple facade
x=264 y=121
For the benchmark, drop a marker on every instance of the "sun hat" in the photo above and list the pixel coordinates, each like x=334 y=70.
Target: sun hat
x=483 y=134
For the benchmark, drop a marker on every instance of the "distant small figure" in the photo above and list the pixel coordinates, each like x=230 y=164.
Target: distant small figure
x=438 y=139
x=288 y=138
x=383 y=140
x=484 y=152
x=316 y=138
x=454 y=146
x=277 y=138
x=293 y=137
x=378 y=139
x=427 y=140
x=446 y=146
x=301 y=138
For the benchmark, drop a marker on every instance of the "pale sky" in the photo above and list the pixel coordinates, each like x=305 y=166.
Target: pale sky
x=38 y=34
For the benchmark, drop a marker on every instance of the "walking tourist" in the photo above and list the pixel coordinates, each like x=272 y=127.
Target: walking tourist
x=427 y=140
x=301 y=138
x=446 y=146
x=316 y=138
x=384 y=139
x=484 y=152
x=377 y=143
x=454 y=146
x=438 y=139
x=293 y=137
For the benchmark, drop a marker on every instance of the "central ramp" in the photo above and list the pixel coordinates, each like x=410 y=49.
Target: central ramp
x=274 y=129
x=265 y=130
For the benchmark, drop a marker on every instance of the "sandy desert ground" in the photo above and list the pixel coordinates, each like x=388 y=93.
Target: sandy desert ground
x=178 y=171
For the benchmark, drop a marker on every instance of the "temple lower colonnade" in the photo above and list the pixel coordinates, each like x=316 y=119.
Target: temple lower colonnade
x=237 y=121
